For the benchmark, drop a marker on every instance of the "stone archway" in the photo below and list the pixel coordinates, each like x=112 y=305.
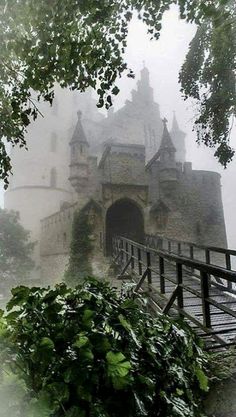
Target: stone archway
x=124 y=218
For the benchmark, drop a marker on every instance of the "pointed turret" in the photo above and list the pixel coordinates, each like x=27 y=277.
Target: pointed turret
x=79 y=157
x=79 y=134
x=167 y=149
x=178 y=137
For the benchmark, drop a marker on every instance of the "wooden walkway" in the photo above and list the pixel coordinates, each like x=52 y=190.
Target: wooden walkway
x=176 y=283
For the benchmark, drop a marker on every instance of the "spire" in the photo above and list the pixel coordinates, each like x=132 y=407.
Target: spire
x=166 y=141
x=145 y=75
x=178 y=137
x=175 y=126
x=79 y=134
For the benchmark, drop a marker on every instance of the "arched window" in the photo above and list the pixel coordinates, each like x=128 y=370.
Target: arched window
x=53 y=178
x=53 y=144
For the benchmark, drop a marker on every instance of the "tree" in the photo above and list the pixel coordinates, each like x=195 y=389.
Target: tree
x=15 y=251
x=79 y=266
x=81 y=43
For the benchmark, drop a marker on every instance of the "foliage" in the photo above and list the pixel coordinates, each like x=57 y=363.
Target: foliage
x=15 y=250
x=208 y=75
x=81 y=247
x=81 y=43
x=91 y=352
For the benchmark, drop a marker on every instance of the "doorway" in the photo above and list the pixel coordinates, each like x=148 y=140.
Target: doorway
x=124 y=218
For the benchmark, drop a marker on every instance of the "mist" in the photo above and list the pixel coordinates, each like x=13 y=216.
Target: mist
x=164 y=58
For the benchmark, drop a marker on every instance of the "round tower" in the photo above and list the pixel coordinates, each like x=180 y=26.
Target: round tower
x=39 y=184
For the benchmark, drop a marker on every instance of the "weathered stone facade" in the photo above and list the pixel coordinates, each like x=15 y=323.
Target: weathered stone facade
x=125 y=195
x=130 y=174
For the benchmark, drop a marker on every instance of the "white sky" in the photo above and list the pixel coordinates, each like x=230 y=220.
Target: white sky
x=164 y=59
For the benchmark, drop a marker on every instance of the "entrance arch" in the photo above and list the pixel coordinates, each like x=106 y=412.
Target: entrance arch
x=124 y=218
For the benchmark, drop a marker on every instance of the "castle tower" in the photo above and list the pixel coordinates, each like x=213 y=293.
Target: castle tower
x=167 y=151
x=144 y=90
x=39 y=184
x=138 y=121
x=178 y=137
x=79 y=153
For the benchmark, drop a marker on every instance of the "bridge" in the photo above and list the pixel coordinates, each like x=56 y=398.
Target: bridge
x=184 y=279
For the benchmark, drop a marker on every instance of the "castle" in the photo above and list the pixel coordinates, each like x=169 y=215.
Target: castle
x=126 y=170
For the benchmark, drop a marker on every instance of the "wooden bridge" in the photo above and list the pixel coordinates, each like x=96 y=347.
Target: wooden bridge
x=193 y=281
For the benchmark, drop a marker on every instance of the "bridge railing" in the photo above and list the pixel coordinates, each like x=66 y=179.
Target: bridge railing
x=168 y=277
x=211 y=255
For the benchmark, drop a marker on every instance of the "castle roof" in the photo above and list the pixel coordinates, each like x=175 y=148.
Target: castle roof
x=166 y=144
x=175 y=126
x=166 y=141
x=79 y=134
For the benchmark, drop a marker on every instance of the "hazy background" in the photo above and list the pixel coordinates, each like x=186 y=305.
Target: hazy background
x=164 y=58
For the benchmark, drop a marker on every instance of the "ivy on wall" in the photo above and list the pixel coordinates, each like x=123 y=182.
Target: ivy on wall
x=81 y=248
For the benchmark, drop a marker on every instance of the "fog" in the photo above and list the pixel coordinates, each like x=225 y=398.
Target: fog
x=164 y=58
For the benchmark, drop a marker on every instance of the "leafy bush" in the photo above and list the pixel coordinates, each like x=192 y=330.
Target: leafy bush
x=89 y=352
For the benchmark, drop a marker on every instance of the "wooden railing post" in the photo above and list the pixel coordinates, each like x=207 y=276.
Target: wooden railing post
x=228 y=261
x=191 y=252
x=207 y=256
x=205 y=295
x=149 y=272
x=132 y=255
x=139 y=262
x=127 y=250
x=122 y=250
x=179 y=248
x=162 y=277
x=228 y=266
x=179 y=273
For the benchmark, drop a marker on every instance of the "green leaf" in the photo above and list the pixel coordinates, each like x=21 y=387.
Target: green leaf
x=20 y=295
x=117 y=364
x=80 y=341
x=87 y=354
x=87 y=317
x=47 y=343
x=202 y=379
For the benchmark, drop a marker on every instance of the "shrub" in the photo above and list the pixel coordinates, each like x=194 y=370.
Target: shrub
x=89 y=352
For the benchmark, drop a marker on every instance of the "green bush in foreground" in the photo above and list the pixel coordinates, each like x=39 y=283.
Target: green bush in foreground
x=88 y=352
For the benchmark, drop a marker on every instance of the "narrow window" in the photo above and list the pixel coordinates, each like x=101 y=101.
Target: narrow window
x=53 y=178
x=64 y=239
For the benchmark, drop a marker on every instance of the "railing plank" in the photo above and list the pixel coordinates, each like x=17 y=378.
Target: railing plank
x=170 y=275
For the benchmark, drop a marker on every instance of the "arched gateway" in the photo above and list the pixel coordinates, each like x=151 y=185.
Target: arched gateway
x=124 y=218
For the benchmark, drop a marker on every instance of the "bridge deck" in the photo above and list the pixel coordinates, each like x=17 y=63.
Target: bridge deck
x=202 y=293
